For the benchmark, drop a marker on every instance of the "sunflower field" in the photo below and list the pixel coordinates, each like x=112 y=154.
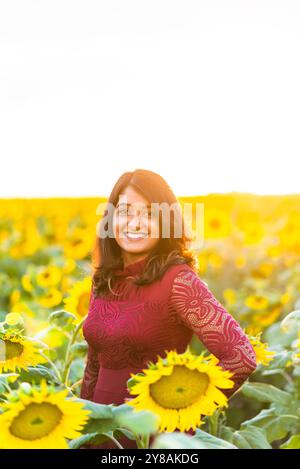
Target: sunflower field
x=251 y=261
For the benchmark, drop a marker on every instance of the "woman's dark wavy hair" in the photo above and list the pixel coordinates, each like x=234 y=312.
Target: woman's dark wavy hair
x=106 y=253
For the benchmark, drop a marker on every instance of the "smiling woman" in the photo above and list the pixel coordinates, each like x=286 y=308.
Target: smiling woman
x=137 y=226
x=147 y=299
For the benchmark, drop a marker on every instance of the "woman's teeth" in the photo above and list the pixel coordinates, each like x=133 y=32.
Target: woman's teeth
x=136 y=235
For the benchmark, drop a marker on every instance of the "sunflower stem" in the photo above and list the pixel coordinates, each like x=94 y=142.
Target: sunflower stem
x=146 y=439
x=139 y=442
x=142 y=441
x=75 y=384
x=68 y=361
x=214 y=423
x=113 y=439
x=53 y=366
x=67 y=371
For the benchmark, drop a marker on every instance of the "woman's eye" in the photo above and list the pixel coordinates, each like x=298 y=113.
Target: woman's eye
x=125 y=211
x=122 y=211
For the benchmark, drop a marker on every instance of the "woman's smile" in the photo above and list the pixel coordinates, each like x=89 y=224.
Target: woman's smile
x=134 y=236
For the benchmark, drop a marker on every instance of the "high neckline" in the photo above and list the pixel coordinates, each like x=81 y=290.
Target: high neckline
x=132 y=268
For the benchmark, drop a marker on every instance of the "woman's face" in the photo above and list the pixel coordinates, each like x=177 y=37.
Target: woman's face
x=133 y=224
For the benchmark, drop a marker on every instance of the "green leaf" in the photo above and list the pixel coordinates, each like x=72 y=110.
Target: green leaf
x=265 y=393
x=61 y=317
x=119 y=432
x=176 y=440
x=35 y=374
x=88 y=438
x=226 y=433
x=240 y=441
x=5 y=380
x=291 y=321
x=100 y=426
x=275 y=426
x=274 y=335
x=79 y=349
x=98 y=411
x=251 y=437
x=140 y=422
x=212 y=441
x=101 y=417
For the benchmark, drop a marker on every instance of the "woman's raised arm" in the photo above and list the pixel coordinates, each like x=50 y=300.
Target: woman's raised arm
x=219 y=332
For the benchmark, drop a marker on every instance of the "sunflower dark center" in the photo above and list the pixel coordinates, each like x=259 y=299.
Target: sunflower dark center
x=182 y=388
x=36 y=421
x=12 y=349
x=76 y=242
x=215 y=224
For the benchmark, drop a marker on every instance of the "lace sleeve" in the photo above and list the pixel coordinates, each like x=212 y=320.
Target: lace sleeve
x=219 y=332
x=90 y=374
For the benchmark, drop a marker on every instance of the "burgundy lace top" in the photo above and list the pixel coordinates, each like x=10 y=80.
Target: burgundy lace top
x=127 y=330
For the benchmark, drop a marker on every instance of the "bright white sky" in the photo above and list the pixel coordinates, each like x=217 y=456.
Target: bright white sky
x=206 y=93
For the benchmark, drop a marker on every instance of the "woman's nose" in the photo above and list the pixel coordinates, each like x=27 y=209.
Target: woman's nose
x=134 y=222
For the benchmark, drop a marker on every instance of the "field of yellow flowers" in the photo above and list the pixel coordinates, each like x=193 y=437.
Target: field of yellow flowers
x=250 y=260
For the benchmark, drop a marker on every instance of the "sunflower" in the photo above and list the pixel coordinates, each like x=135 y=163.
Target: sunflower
x=265 y=319
x=263 y=355
x=257 y=302
x=264 y=270
x=40 y=419
x=179 y=388
x=78 y=301
x=17 y=352
x=78 y=245
x=217 y=223
x=253 y=234
x=48 y=276
x=229 y=296
x=53 y=297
